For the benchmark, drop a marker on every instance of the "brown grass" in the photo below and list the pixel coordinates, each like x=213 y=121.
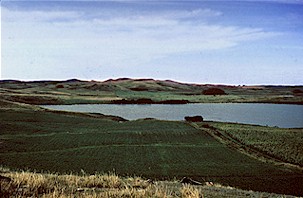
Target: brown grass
x=29 y=184
x=188 y=191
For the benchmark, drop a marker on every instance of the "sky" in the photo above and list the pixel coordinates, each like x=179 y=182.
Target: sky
x=219 y=42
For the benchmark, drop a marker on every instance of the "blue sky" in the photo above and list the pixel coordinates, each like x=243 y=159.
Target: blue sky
x=226 y=42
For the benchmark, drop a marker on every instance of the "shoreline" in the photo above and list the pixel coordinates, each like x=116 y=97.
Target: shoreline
x=60 y=124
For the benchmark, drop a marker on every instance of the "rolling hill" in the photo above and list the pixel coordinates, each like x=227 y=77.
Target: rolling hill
x=76 y=91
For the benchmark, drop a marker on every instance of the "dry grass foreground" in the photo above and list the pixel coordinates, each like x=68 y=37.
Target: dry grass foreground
x=29 y=184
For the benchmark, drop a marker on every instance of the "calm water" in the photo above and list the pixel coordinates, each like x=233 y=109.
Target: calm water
x=285 y=116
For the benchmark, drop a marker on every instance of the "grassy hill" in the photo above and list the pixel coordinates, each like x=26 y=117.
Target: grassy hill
x=29 y=184
x=76 y=91
x=62 y=142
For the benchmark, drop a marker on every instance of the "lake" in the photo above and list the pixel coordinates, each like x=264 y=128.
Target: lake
x=280 y=115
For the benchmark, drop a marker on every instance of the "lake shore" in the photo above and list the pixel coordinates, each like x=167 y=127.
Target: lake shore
x=275 y=115
x=23 y=123
x=66 y=137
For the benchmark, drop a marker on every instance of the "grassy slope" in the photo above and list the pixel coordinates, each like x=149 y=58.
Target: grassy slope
x=74 y=91
x=28 y=184
x=45 y=140
x=283 y=144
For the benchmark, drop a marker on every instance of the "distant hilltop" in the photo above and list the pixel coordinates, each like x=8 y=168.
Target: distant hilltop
x=117 y=80
x=143 y=91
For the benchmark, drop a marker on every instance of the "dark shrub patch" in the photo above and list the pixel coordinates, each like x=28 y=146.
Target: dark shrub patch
x=193 y=118
x=297 y=92
x=214 y=91
x=139 y=89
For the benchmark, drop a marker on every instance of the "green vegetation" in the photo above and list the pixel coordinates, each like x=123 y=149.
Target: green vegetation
x=62 y=142
x=283 y=144
x=80 y=92
x=28 y=184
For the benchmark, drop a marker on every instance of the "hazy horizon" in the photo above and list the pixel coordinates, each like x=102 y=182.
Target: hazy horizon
x=247 y=42
x=119 y=78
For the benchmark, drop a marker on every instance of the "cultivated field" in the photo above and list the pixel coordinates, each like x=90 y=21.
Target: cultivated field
x=283 y=144
x=44 y=140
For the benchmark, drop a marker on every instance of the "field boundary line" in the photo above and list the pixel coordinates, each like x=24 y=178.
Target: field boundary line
x=107 y=145
x=250 y=151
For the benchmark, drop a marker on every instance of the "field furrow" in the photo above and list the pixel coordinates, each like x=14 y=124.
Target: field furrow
x=153 y=149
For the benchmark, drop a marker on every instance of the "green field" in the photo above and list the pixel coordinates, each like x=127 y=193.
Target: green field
x=282 y=144
x=69 y=142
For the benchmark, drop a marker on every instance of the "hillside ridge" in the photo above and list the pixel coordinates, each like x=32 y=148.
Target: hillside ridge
x=74 y=91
